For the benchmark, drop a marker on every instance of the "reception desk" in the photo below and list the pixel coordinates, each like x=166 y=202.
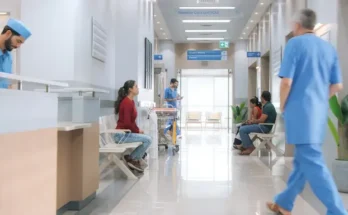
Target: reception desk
x=28 y=155
x=78 y=165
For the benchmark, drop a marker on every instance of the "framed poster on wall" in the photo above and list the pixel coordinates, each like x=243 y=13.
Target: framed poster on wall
x=148 y=73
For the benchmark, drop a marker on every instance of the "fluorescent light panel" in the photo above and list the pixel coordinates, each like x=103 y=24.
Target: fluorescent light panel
x=193 y=38
x=206 y=21
x=206 y=8
x=205 y=31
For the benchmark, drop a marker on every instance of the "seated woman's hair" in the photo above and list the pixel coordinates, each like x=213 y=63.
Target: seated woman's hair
x=123 y=93
x=256 y=102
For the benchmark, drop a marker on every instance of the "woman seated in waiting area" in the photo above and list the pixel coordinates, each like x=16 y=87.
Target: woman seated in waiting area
x=256 y=113
x=127 y=114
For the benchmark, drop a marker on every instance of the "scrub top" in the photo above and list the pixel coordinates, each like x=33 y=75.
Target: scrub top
x=6 y=67
x=269 y=110
x=313 y=66
x=170 y=94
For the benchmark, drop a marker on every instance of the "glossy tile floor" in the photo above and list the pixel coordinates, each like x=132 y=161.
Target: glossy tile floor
x=205 y=178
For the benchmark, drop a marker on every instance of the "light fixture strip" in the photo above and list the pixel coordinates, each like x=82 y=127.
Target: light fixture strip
x=207 y=8
x=208 y=38
x=206 y=21
x=205 y=31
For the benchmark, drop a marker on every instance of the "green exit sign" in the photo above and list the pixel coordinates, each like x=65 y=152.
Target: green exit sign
x=224 y=44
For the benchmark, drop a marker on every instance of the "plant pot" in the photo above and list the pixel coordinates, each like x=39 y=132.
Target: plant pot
x=340 y=174
x=342 y=150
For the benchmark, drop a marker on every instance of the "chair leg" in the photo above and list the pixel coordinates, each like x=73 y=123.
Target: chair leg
x=105 y=164
x=257 y=149
x=130 y=175
x=274 y=148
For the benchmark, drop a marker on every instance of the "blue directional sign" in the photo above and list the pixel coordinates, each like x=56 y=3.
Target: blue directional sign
x=206 y=55
x=158 y=57
x=253 y=54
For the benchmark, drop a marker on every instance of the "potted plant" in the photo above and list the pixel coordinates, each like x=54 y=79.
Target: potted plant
x=340 y=134
x=239 y=114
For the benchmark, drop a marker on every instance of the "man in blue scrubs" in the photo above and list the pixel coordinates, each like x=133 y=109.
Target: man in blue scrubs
x=310 y=74
x=171 y=97
x=12 y=37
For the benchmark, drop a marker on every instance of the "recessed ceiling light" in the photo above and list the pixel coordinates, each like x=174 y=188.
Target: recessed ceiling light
x=256 y=13
x=251 y=20
x=261 y=3
x=244 y=33
x=247 y=27
x=205 y=31
x=241 y=38
x=206 y=8
x=161 y=29
x=158 y=22
x=155 y=15
x=166 y=38
x=164 y=33
x=207 y=38
x=206 y=21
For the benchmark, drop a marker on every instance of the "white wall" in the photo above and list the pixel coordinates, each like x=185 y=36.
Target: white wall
x=87 y=69
x=240 y=72
x=146 y=30
x=167 y=49
x=49 y=53
x=60 y=48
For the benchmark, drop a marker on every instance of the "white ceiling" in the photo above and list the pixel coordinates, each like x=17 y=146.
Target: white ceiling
x=171 y=21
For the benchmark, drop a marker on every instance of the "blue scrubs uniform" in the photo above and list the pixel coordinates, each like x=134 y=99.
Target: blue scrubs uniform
x=6 y=67
x=313 y=66
x=171 y=94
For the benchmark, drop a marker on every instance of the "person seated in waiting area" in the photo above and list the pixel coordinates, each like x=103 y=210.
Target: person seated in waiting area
x=127 y=114
x=268 y=116
x=256 y=113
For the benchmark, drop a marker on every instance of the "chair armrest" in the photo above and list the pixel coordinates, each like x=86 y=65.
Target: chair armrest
x=266 y=124
x=116 y=131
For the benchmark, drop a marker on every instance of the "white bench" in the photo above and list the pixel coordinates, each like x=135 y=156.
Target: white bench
x=113 y=150
x=266 y=140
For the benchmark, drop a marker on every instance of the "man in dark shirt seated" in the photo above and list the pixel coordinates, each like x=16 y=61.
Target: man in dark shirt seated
x=268 y=116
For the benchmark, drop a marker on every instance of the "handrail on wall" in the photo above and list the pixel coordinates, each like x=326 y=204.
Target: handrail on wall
x=22 y=79
x=80 y=90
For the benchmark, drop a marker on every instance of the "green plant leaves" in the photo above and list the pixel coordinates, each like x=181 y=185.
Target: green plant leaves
x=344 y=109
x=336 y=108
x=239 y=113
x=334 y=131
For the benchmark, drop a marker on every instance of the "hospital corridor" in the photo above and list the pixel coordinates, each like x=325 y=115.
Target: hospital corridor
x=173 y=107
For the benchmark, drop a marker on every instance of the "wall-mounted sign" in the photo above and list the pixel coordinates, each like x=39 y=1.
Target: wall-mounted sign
x=158 y=57
x=99 y=41
x=253 y=54
x=199 y=12
x=224 y=44
x=206 y=55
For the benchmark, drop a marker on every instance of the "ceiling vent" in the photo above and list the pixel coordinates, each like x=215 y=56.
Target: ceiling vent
x=206 y=34
x=207 y=1
x=206 y=25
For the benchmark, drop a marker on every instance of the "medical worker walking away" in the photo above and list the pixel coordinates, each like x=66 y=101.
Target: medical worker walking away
x=171 y=97
x=12 y=37
x=310 y=74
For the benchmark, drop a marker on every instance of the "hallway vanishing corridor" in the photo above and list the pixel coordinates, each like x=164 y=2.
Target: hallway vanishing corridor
x=205 y=178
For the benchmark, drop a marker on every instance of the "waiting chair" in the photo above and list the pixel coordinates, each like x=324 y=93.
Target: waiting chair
x=193 y=118
x=213 y=118
x=266 y=140
x=114 y=151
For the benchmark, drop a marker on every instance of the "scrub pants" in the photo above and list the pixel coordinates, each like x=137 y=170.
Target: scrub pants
x=169 y=126
x=309 y=165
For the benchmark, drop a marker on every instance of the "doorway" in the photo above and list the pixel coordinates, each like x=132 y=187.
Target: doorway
x=265 y=67
x=206 y=92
